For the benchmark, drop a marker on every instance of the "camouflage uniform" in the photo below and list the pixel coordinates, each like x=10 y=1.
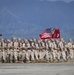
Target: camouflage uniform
x=71 y=50
x=63 y=53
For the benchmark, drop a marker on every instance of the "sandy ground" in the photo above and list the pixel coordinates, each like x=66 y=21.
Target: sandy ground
x=62 y=68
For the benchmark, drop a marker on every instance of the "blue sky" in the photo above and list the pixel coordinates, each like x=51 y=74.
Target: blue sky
x=59 y=0
x=28 y=18
x=67 y=1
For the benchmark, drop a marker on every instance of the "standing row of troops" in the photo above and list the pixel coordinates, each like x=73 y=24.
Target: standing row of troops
x=24 y=50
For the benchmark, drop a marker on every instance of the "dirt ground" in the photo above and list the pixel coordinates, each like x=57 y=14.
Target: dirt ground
x=63 y=68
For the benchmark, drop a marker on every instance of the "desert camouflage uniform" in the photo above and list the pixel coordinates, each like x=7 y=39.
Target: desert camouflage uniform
x=63 y=53
x=71 y=50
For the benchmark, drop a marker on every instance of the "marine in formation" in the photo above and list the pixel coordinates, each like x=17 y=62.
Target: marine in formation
x=19 y=50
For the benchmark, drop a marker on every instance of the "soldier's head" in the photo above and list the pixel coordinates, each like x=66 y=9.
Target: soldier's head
x=62 y=40
x=26 y=40
x=2 y=40
x=39 y=41
x=48 y=41
x=70 y=40
x=8 y=41
x=34 y=40
x=13 y=39
x=18 y=39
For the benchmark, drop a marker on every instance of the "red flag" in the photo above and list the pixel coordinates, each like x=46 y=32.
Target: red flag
x=45 y=35
x=56 y=33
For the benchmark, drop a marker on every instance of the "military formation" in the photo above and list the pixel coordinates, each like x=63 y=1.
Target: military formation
x=19 y=50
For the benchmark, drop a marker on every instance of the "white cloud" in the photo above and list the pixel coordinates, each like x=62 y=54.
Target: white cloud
x=67 y=1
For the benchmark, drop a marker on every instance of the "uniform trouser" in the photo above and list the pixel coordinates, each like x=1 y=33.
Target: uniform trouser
x=36 y=55
x=23 y=57
x=50 y=56
x=44 y=55
x=0 y=56
x=27 y=56
x=54 y=54
x=47 y=55
x=32 y=56
x=11 y=55
x=58 y=55
x=40 y=55
x=15 y=56
x=71 y=53
x=20 y=56
x=4 y=57
x=63 y=55
x=67 y=54
x=8 y=58
x=12 y=58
